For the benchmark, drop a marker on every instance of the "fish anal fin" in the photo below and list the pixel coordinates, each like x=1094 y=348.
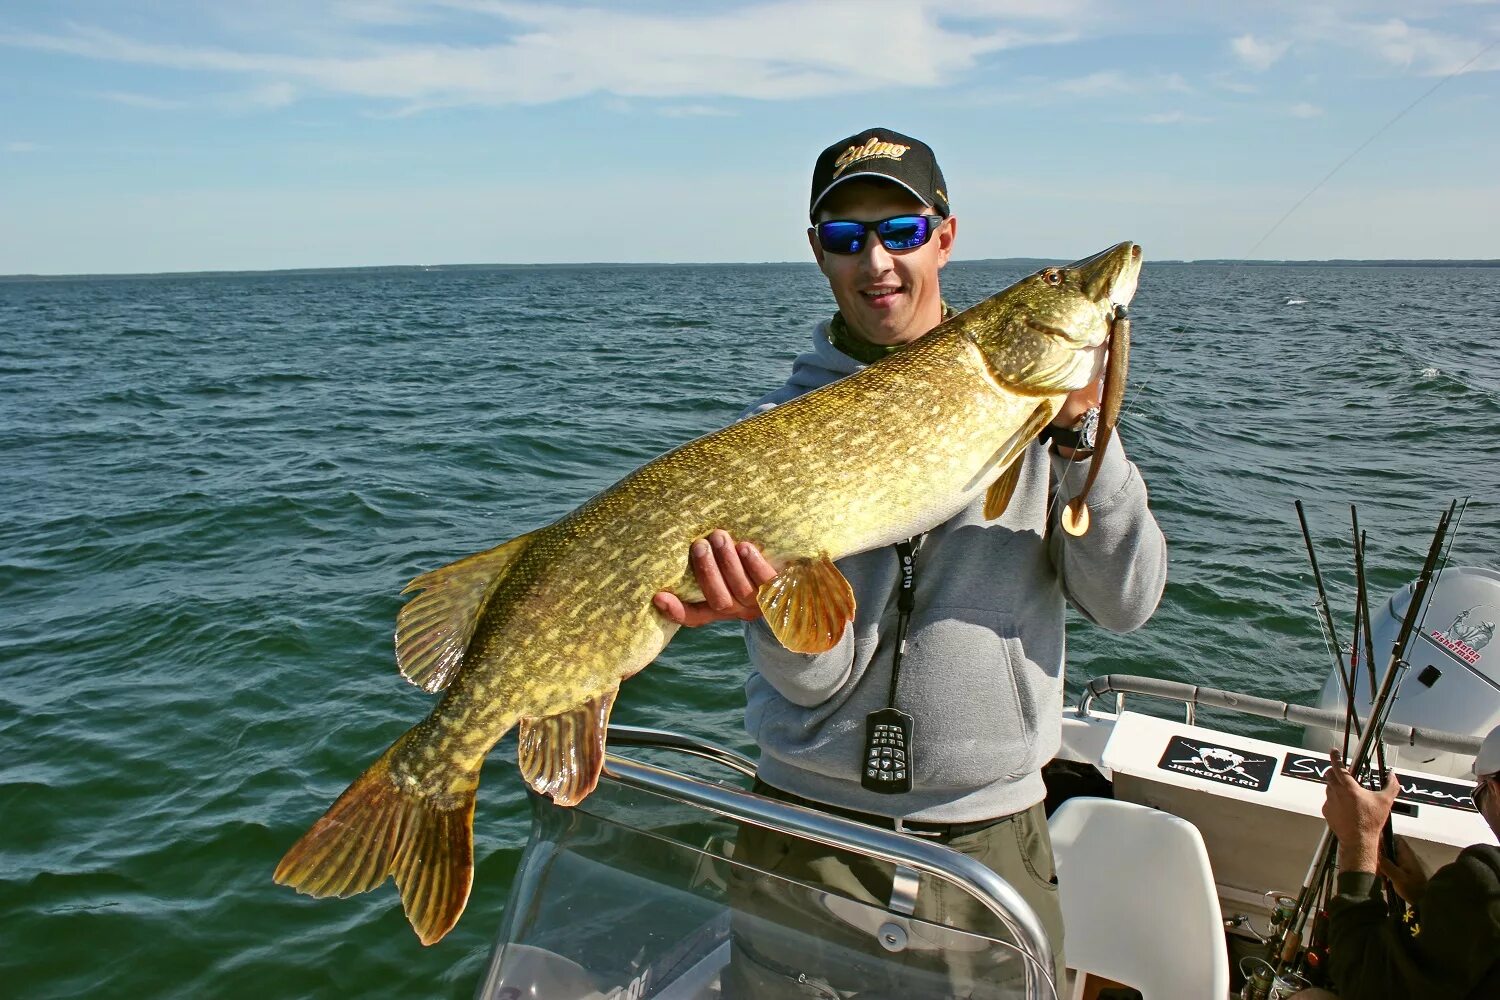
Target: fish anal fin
x=382 y=826
x=433 y=629
x=808 y=605
x=561 y=755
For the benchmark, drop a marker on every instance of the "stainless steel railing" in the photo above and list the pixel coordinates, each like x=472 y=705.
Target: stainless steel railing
x=1193 y=695
x=901 y=850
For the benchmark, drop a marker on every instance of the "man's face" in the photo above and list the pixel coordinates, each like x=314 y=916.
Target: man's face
x=886 y=297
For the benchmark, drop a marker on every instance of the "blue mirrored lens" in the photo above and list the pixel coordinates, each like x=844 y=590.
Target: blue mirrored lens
x=904 y=232
x=842 y=237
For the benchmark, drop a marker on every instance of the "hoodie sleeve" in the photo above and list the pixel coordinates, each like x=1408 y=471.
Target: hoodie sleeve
x=1116 y=572
x=804 y=679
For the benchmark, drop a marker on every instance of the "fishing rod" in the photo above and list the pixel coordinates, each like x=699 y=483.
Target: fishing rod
x=1372 y=137
x=1330 y=636
x=1286 y=935
x=1362 y=614
x=1283 y=945
x=1380 y=712
x=1354 y=658
x=1463 y=505
x=1388 y=829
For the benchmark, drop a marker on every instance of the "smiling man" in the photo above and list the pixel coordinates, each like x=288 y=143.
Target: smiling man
x=966 y=671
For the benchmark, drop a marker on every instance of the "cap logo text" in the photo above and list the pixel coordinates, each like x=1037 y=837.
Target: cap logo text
x=871 y=149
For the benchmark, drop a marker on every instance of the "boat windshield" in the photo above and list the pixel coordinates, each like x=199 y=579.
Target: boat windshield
x=635 y=894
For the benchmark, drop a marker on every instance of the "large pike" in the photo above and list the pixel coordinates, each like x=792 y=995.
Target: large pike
x=539 y=632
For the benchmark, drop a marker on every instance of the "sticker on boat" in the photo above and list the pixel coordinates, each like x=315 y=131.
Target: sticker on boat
x=1414 y=788
x=1214 y=762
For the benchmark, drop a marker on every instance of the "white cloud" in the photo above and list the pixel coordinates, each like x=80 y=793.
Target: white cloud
x=24 y=147
x=1461 y=45
x=266 y=97
x=1224 y=82
x=1102 y=82
x=379 y=12
x=263 y=97
x=535 y=54
x=694 y=111
x=1302 y=109
x=1424 y=50
x=148 y=102
x=1174 y=118
x=1107 y=82
x=1256 y=54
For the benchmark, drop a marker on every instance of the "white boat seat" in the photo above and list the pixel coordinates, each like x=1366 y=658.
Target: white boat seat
x=1138 y=900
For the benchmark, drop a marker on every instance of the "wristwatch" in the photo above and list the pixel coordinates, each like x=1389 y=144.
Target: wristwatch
x=1080 y=437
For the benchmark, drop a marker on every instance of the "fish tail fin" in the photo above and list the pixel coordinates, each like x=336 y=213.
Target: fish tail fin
x=382 y=826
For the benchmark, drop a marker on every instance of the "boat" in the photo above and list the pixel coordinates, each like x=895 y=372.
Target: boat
x=1180 y=842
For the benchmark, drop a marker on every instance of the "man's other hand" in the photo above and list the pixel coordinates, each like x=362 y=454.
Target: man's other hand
x=729 y=575
x=1406 y=872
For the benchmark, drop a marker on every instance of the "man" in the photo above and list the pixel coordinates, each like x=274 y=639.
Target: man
x=1452 y=951
x=982 y=668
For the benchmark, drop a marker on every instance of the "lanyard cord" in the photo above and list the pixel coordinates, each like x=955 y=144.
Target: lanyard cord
x=906 y=586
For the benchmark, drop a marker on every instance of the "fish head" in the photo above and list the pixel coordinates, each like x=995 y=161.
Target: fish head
x=1044 y=334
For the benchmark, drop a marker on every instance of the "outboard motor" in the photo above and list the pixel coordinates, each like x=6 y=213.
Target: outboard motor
x=1454 y=680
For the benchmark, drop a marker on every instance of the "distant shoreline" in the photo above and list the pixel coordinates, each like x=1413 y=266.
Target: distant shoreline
x=411 y=268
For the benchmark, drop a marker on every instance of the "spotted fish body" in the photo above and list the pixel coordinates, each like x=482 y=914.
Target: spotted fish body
x=540 y=631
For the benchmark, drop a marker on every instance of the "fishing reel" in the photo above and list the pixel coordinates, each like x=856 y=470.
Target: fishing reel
x=1262 y=982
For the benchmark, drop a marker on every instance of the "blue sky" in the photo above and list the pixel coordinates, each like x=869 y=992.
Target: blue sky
x=163 y=136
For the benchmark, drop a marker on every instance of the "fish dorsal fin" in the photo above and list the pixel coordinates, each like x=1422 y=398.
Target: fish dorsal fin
x=1001 y=490
x=808 y=605
x=561 y=755
x=434 y=628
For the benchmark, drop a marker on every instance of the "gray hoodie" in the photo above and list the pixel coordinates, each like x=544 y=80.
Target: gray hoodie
x=983 y=667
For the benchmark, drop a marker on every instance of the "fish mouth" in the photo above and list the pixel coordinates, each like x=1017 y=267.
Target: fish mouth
x=1046 y=329
x=1110 y=276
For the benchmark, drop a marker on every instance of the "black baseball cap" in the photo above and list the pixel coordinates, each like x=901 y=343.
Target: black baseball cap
x=880 y=152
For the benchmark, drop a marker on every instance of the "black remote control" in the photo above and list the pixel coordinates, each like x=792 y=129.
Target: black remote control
x=886 y=765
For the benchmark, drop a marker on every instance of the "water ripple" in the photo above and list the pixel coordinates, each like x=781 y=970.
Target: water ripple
x=217 y=485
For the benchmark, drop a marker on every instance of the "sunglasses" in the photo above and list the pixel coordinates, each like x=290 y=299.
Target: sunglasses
x=899 y=232
x=1482 y=785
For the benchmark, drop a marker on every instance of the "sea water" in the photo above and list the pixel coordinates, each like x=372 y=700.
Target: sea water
x=216 y=485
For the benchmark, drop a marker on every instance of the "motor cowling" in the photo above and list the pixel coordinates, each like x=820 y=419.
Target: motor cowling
x=1453 y=682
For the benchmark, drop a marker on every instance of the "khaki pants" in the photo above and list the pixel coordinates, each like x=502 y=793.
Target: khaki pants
x=787 y=944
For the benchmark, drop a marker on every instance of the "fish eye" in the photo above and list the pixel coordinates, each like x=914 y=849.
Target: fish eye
x=1052 y=276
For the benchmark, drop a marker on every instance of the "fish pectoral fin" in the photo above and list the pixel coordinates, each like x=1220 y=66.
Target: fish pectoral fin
x=1001 y=490
x=808 y=605
x=433 y=629
x=561 y=755
x=1012 y=451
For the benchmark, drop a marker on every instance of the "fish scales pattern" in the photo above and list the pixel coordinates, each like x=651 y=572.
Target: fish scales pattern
x=835 y=473
x=540 y=631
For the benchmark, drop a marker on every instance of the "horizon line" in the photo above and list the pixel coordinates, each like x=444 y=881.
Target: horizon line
x=345 y=268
